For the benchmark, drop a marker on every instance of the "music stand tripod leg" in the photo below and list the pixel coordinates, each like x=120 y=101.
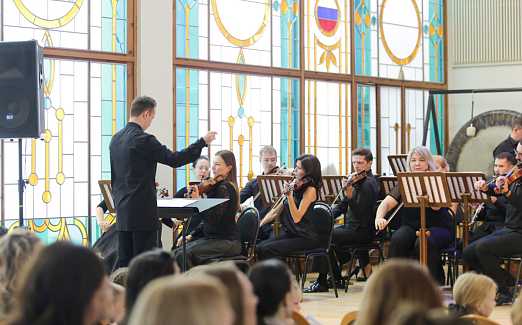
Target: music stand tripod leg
x=423 y=240
x=185 y=224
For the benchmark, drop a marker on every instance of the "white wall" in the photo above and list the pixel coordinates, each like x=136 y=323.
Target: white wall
x=155 y=77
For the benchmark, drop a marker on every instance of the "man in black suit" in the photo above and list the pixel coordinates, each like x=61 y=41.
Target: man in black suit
x=510 y=144
x=134 y=157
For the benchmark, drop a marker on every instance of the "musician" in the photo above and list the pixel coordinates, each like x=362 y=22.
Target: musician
x=484 y=255
x=518 y=152
x=510 y=143
x=404 y=242
x=268 y=159
x=494 y=213
x=217 y=235
x=134 y=155
x=298 y=231
x=358 y=206
x=201 y=169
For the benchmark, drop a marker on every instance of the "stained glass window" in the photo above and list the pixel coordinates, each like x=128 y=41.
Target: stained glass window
x=328 y=124
x=390 y=126
x=399 y=39
x=82 y=111
x=327 y=35
x=366 y=119
x=247 y=112
x=66 y=24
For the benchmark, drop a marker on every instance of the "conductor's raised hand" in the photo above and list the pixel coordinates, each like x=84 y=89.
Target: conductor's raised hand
x=209 y=137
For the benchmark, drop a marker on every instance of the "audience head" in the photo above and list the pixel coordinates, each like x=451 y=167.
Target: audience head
x=309 y=166
x=66 y=284
x=239 y=289
x=143 y=111
x=516 y=312
x=268 y=158
x=195 y=300
x=273 y=287
x=201 y=167
x=475 y=293
x=120 y=276
x=441 y=163
x=143 y=269
x=420 y=160
x=362 y=159
x=396 y=282
x=16 y=250
x=408 y=314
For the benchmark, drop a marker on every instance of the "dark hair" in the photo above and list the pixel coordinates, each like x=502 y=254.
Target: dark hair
x=230 y=160
x=142 y=104
x=516 y=123
x=411 y=314
x=119 y=276
x=312 y=168
x=143 y=269
x=508 y=156
x=59 y=286
x=271 y=282
x=363 y=152
x=199 y=158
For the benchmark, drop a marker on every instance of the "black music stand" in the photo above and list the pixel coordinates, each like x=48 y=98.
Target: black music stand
x=386 y=184
x=461 y=188
x=398 y=163
x=332 y=187
x=422 y=190
x=184 y=209
x=271 y=187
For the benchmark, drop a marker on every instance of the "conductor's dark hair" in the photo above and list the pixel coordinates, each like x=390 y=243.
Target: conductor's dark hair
x=142 y=104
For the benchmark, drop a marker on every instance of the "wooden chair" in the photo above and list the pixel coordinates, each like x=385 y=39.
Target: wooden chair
x=480 y=320
x=299 y=319
x=349 y=318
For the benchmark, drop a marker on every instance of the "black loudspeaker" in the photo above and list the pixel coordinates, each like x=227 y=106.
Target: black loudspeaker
x=21 y=90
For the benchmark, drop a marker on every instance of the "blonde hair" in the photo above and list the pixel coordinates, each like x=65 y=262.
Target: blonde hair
x=17 y=249
x=441 y=163
x=187 y=300
x=471 y=289
x=396 y=282
x=424 y=153
x=516 y=312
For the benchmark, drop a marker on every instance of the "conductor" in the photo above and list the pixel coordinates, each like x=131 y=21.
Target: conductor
x=134 y=157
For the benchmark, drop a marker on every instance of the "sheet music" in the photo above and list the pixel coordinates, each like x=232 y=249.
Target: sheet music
x=174 y=203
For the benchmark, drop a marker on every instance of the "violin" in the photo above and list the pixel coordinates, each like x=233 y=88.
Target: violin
x=352 y=180
x=511 y=177
x=299 y=184
x=206 y=185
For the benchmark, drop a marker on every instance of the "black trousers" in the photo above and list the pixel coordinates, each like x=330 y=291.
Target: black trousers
x=133 y=243
x=484 y=255
x=343 y=236
x=284 y=245
x=404 y=243
x=200 y=251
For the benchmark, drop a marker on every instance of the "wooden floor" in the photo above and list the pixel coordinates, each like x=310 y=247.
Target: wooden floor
x=329 y=310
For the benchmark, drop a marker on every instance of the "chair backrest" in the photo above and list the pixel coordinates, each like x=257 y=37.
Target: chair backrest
x=324 y=222
x=248 y=224
x=349 y=318
x=480 y=320
x=299 y=319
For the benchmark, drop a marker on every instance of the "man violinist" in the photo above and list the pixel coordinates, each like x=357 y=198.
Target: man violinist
x=358 y=207
x=485 y=255
x=268 y=159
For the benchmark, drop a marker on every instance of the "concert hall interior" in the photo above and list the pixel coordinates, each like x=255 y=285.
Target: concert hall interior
x=265 y=162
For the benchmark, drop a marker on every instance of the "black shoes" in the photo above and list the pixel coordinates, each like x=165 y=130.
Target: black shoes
x=316 y=287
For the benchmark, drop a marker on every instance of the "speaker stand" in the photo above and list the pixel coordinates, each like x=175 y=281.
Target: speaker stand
x=21 y=187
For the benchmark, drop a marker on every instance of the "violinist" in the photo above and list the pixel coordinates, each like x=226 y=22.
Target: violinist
x=268 y=159
x=484 y=255
x=298 y=231
x=217 y=235
x=493 y=214
x=357 y=206
x=404 y=242
x=518 y=152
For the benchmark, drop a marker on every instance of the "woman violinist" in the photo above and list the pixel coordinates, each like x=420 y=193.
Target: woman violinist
x=298 y=231
x=217 y=235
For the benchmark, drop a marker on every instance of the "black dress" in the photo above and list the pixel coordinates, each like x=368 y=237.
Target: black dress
x=217 y=235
